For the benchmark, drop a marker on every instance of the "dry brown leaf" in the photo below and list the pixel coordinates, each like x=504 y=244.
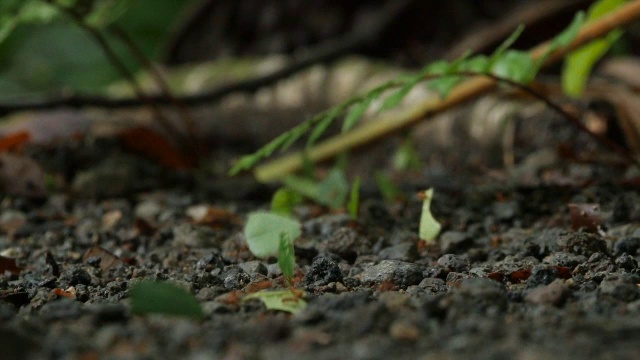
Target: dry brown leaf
x=108 y=260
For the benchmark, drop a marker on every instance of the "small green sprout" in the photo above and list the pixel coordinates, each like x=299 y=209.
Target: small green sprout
x=284 y=201
x=354 y=199
x=429 y=227
x=286 y=257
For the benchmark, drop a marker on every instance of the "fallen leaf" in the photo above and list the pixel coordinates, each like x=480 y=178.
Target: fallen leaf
x=157 y=297
x=157 y=147
x=14 y=141
x=212 y=216
x=282 y=300
x=69 y=293
x=107 y=259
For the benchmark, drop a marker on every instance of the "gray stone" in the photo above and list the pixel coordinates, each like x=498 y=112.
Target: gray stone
x=453 y=262
x=398 y=272
x=254 y=268
x=402 y=252
x=194 y=236
x=454 y=241
x=553 y=294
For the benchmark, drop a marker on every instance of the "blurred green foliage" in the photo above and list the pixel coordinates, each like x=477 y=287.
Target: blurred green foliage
x=39 y=58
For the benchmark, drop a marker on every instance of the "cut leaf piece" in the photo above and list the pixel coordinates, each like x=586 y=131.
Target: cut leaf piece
x=283 y=300
x=354 y=199
x=286 y=257
x=579 y=63
x=284 y=201
x=429 y=226
x=263 y=231
x=151 y=297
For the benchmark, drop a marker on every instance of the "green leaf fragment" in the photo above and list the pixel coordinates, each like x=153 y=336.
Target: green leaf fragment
x=284 y=201
x=355 y=113
x=579 y=64
x=517 y=66
x=333 y=190
x=155 y=297
x=429 y=226
x=387 y=188
x=354 y=199
x=323 y=125
x=507 y=44
x=263 y=231
x=282 y=300
x=286 y=257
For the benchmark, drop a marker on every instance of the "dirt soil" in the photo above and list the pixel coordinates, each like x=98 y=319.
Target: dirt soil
x=509 y=278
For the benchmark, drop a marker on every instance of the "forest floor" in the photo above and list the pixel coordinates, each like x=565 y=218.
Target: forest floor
x=508 y=278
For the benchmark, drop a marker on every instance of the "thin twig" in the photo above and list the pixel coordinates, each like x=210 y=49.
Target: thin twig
x=115 y=61
x=468 y=90
x=612 y=145
x=321 y=53
x=162 y=84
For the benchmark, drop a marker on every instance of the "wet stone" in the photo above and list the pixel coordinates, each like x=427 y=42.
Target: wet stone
x=402 y=252
x=322 y=272
x=452 y=262
x=554 y=294
x=398 y=272
x=580 y=243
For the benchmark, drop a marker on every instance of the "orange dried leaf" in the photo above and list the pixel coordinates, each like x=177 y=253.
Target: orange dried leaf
x=15 y=141
x=157 y=147
x=107 y=259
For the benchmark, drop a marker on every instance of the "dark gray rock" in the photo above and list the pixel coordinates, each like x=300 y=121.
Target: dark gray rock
x=620 y=287
x=398 y=272
x=254 y=268
x=322 y=272
x=452 y=262
x=580 y=243
x=564 y=259
x=629 y=245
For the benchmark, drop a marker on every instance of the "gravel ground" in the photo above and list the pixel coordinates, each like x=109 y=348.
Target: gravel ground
x=508 y=278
